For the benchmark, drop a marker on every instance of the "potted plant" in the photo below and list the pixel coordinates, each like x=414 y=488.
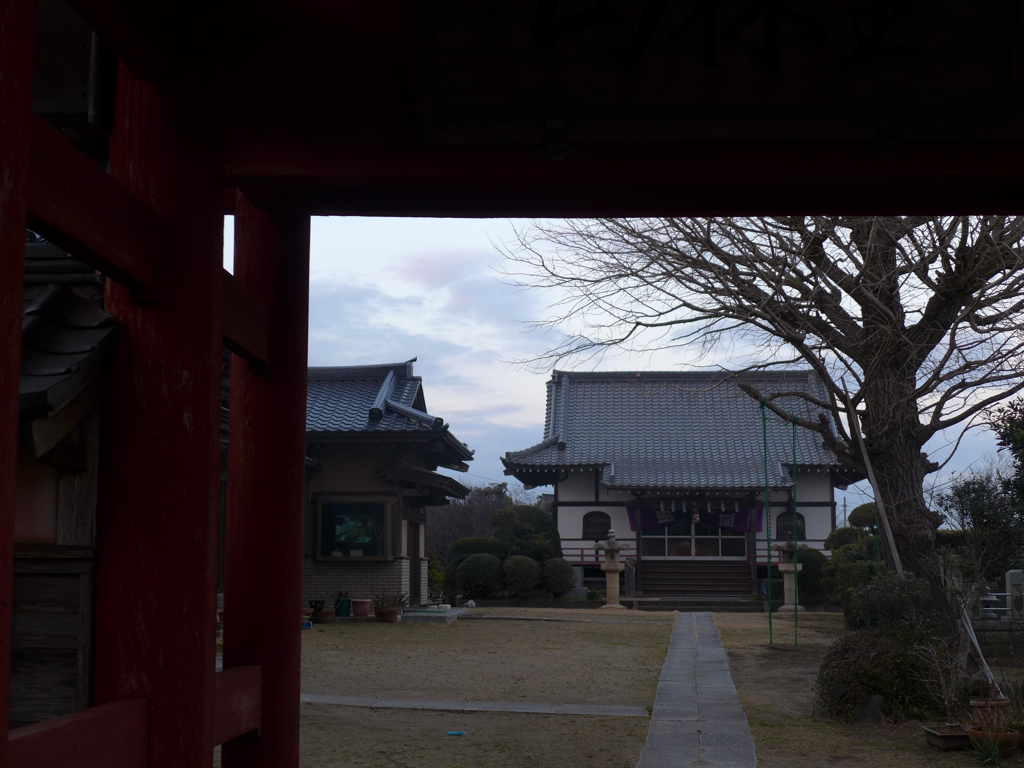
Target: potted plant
x=991 y=733
x=321 y=616
x=388 y=607
x=342 y=604
x=948 y=737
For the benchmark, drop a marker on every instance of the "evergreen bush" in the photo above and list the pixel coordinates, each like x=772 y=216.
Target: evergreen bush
x=840 y=537
x=851 y=568
x=894 y=603
x=475 y=545
x=558 y=576
x=522 y=575
x=812 y=563
x=864 y=516
x=478 y=575
x=536 y=549
x=869 y=662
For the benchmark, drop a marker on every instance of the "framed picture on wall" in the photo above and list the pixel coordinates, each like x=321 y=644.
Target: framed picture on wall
x=353 y=529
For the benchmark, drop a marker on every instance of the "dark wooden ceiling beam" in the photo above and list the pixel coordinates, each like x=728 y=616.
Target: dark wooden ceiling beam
x=90 y=214
x=139 y=34
x=333 y=176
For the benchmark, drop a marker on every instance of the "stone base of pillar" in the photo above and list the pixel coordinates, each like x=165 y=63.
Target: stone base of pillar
x=790 y=609
x=615 y=606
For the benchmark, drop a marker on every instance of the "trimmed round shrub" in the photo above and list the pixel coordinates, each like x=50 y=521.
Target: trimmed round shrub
x=866 y=663
x=522 y=575
x=864 y=516
x=840 y=537
x=851 y=568
x=536 y=549
x=478 y=575
x=812 y=562
x=475 y=545
x=893 y=602
x=558 y=576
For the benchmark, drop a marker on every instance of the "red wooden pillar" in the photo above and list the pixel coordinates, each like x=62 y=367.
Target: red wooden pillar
x=266 y=472
x=159 y=496
x=17 y=43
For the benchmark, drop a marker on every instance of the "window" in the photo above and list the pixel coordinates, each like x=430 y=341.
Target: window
x=784 y=527
x=596 y=526
x=353 y=529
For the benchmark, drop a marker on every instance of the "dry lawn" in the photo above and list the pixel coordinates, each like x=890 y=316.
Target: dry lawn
x=493 y=660
x=574 y=656
x=776 y=688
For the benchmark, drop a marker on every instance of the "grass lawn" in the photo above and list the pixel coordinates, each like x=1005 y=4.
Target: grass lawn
x=595 y=657
x=776 y=688
x=571 y=656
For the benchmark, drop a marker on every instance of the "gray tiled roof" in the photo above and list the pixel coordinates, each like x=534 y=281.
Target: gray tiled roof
x=64 y=340
x=340 y=399
x=673 y=430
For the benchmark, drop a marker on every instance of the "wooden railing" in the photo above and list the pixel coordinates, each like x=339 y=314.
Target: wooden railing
x=587 y=555
x=116 y=735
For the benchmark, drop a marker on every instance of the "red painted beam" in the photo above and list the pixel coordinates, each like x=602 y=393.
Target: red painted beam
x=114 y=734
x=246 y=322
x=17 y=45
x=159 y=483
x=139 y=34
x=85 y=210
x=238 y=702
x=266 y=475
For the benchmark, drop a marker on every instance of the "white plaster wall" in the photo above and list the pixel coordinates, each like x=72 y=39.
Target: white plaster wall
x=814 y=486
x=578 y=486
x=570 y=520
x=570 y=529
x=613 y=495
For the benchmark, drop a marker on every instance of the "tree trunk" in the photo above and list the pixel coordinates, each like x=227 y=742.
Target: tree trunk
x=900 y=472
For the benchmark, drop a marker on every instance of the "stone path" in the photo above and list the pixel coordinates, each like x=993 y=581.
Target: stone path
x=697 y=718
x=477 y=706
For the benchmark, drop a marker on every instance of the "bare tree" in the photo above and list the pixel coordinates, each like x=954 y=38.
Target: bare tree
x=915 y=322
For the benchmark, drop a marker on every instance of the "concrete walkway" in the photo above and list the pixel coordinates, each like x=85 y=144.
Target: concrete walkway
x=476 y=706
x=697 y=718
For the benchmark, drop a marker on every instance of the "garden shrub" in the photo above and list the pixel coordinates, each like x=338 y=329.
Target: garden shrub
x=840 y=537
x=536 y=549
x=558 y=576
x=522 y=575
x=479 y=575
x=864 y=516
x=451 y=581
x=475 y=545
x=809 y=578
x=891 y=602
x=870 y=662
x=851 y=568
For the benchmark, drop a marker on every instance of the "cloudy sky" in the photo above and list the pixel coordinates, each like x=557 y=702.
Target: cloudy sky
x=386 y=290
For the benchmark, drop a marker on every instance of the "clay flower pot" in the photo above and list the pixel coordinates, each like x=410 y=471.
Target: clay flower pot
x=1006 y=741
x=948 y=737
x=323 y=617
x=388 y=617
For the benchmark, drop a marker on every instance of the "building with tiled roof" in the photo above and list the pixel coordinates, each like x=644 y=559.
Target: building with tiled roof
x=677 y=465
x=372 y=453
x=67 y=339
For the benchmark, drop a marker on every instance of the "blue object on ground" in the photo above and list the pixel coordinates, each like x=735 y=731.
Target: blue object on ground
x=456 y=733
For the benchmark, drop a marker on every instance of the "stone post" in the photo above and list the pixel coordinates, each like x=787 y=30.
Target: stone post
x=789 y=570
x=612 y=567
